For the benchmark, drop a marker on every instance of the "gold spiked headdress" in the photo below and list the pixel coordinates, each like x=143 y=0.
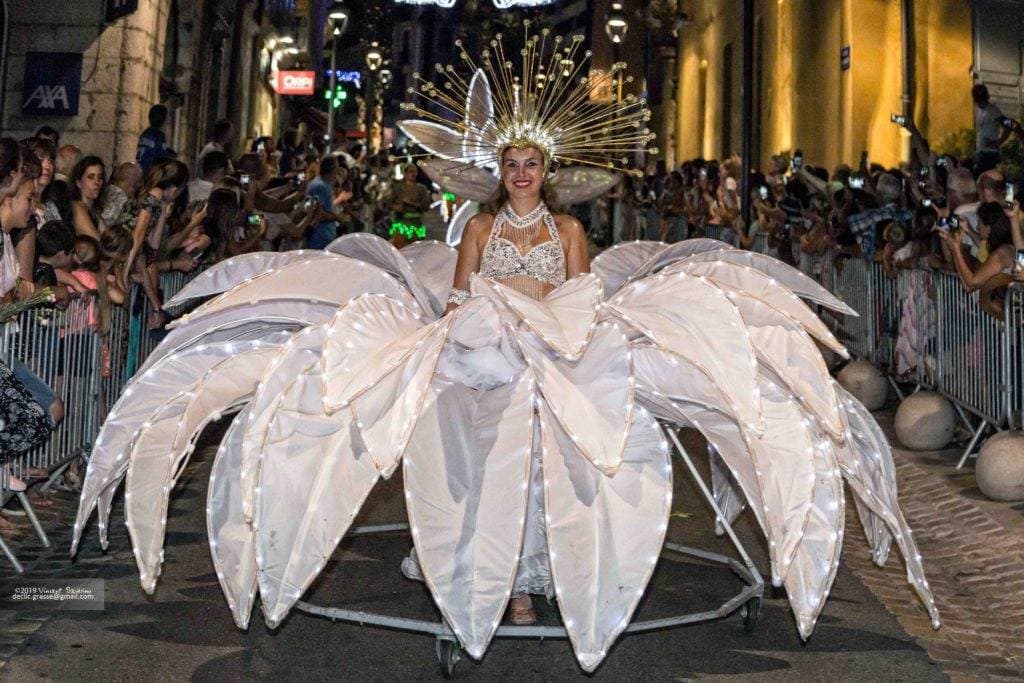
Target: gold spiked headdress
x=545 y=103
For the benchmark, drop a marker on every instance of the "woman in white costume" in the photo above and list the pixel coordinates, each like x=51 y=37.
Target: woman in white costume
x=526 y=413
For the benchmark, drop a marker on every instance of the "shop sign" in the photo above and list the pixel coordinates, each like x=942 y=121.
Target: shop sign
x=52 y=83
x=294 y=82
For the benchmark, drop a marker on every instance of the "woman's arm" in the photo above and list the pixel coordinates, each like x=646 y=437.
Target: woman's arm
x=577 y=256
x=25 y=251
x=83 y=222
x=975 y=279
x=138 y=237
x=178 y=238
x=469 y=254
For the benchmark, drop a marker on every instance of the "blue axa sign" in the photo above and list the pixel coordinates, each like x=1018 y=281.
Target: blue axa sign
x=53 y=81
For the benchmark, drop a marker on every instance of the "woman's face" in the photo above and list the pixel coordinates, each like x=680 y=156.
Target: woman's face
x=91 y=182
x=409 y=174
x=522 y=171
x=45 y=173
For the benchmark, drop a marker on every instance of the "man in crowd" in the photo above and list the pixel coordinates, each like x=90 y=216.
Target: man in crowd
x=49 y=133
x=152 y=142
x=119 y=196
x=989 y=131
x=864 y=224
x=223 y=131
x=322 y=190
x=215 y=170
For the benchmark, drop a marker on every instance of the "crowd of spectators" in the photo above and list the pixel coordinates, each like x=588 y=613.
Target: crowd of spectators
x=75 y=228
x=934 y=212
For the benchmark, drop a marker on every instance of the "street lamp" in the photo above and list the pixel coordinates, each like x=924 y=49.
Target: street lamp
x=338 y=17
x=616 y=26
x=374 y=61
x=373 y=57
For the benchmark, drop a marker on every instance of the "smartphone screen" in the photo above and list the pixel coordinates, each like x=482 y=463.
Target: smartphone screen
x=926 y=202
x=254 y=219
x=763 y=192
x=1019 y=261
x=1008 y=194
x=245 y=179
x=856 y=182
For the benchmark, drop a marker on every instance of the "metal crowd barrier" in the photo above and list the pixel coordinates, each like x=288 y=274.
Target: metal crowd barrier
x=87 y=372
x=972 y=358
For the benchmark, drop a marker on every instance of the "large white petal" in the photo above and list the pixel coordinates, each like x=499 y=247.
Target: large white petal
x=694 y=319
x=782 y=345
x=386 y=413
x=299 y=354
x=466 y=472
x=434 y=264
x=368 y=338
x=754 y=284
x=326 y=281
x=790 y=277
x=232 y=541
x=866 y=462
x=604 y=533
x=369 y=248
x=592 y=398
x=617 y=264
x=163 y=442
x=435 y=138
x=564 y=319
x=226 y=274
x=677 y=252
x=141 y=398
x=314 y=476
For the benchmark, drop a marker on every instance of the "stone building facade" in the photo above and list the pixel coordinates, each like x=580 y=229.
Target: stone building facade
x=204 y=59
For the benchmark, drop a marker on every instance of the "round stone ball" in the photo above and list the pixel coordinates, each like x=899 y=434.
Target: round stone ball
x=865 y=382
x=925 y=421
x=1000 y=467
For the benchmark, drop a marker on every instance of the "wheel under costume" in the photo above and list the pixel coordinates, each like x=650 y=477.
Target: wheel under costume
x=513 y=419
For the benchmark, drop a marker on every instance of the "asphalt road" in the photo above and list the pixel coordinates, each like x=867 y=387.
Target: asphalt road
x=185 y=630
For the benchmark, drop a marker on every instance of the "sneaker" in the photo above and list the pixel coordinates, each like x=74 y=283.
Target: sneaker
x=411 y=567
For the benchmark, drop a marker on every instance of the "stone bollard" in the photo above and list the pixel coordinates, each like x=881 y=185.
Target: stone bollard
x=865 y=382
x=925 y=421
x=1000 y=467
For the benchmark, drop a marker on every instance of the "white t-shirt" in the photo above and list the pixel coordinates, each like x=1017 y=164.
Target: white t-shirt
x=199 y=190
x=968 y=212
x=9 y=268
x=987 y=127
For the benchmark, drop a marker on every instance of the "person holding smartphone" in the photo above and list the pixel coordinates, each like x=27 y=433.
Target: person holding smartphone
x=1000 y=235
x=322 y=190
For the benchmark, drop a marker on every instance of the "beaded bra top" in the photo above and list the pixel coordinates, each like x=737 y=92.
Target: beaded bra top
x=503 y=260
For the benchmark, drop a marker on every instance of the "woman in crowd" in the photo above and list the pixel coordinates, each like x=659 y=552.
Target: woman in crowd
x=87 y=180
x=155 y=203
x=408 y=201
x=996 y=228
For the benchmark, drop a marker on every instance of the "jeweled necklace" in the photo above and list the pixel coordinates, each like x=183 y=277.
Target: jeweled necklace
x=523 y=222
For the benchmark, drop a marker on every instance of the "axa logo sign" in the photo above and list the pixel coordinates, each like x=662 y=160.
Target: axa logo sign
x=49 y=98
x=294 y=82
x=53 y=81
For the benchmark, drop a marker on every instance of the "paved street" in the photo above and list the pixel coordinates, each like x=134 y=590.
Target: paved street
x=185 y=630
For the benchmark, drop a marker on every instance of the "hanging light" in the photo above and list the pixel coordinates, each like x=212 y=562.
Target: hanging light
x=339 y=17
x=615 y=24
x=374 y=58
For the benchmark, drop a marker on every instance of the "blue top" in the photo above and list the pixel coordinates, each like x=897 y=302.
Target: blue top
x=325 y=232
x=152 y=146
